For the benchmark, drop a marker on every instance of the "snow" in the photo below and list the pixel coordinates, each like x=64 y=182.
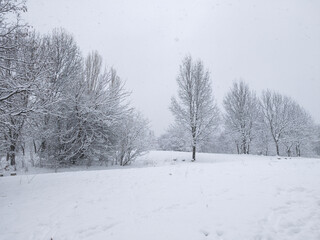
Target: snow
x=217 y=197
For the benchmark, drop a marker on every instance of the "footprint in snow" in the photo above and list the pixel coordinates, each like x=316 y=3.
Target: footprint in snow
x=204 y=232
x=219 y=233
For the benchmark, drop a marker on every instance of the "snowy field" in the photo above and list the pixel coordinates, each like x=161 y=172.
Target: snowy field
x=218 y=197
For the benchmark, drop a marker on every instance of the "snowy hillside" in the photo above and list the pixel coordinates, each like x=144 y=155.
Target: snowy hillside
x=218 y=197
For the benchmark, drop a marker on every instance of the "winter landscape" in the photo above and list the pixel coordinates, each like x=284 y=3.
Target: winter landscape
x=159 y=120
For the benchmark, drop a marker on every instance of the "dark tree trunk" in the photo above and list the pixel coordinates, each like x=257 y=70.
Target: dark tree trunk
x=298 y=153
x=277 y=149
x=244 y=147
x=34 y=146
x=194 y=143
x=23 y=149
x=12 y=155
x=289 y=152
x=193 y=153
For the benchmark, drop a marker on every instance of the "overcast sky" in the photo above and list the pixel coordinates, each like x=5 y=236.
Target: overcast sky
x=269 y=44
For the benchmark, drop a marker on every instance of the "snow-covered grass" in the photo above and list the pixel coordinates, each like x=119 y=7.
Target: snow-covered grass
x=218 y=197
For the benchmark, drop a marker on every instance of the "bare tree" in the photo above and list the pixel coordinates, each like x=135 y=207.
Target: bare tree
x=16 y=82
x=241 y=118
x=11 y=34
x=134 y=138
x=93 y=70
x=59 y=89
x=300 y=130
x=175 y=139
x=195 y=109
x=288 y=123
x=103 y=107
x=275 y=109
x=82 y=106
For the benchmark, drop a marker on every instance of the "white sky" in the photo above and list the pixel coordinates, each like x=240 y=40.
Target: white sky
x=270 y=44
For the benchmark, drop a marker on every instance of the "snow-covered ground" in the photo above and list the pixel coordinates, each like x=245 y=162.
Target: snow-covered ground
x=218 y=197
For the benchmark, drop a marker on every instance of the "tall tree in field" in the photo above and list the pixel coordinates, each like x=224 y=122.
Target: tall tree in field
x=300 y=130
x=14 y=84
x=242 y=112
x=60 y=86
x=289 y=124
x=195 y=109
x=101 y=110
x=276 y=111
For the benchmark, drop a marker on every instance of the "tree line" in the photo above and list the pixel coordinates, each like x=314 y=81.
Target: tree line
x=64 y=108
x=270 y=124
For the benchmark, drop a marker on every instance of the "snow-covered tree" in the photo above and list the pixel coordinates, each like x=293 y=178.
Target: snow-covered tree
x=15 y=84
x=276 y=111
x=195 y=109
x=242 y=113
x=289 y=124
x=76 y=111
x=300 y=131
x=263 y=140
x=59 y=88
x=134 y=138
x=10 y=44
x=175 y=139
x=103 y=106
x=83 y=104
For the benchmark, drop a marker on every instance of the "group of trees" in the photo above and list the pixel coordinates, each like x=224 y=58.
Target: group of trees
x=63 y=108
x=66 y=109
x=249 y=124
x=274 y=119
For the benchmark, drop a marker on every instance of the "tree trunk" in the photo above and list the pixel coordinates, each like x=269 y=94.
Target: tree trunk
x=193 y=153
x=23 y=149
x=277 y=149
x=12 y=155
x=298 y=150
x=244 y=147
x=31 y=157
x=34 y=146
x=289 y=152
